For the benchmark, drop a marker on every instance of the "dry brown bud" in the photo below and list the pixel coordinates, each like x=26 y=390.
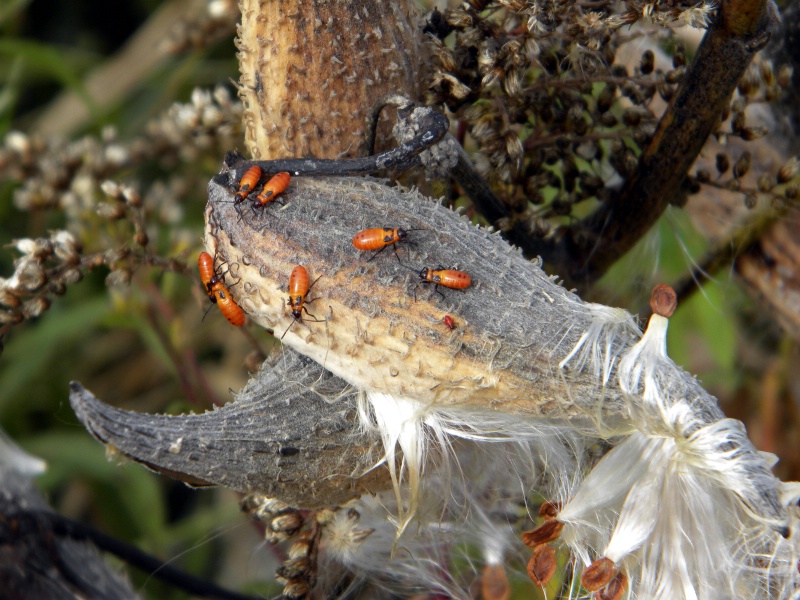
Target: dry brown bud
x=514 y=147
x=37 y=248
x=35 y=307
x=111 y=211
x=608 y=119
x=71 y=276
x=632 y=117
x=487 y=55
x=598 y=574
x=742 y=166
x=11 y=317
x=753 y=133
x=57 y=288
x=605 y=100
x=665 y=90
x=738 y=122
x=295 y=568
x=9 y=298
x=767 y=73
x=542 y=565
x=511 y=83
x=723 y=163
x=131 y=196
x=675 y=75
x=118 y=277
x=66 y=248
x=458 y=18
x=30 y=274
x=141 y=238
x=299 y=549
x=750 y=82
x=788 y=170
x=290 y=522
x=111 y=189
x=648 y=62
x=785 y=76
x=296 y=590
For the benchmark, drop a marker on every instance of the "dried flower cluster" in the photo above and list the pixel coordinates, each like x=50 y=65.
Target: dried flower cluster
x=196 y=31
x=113 y=221
x=557 y=114
x=759 y=85
x=302 y=532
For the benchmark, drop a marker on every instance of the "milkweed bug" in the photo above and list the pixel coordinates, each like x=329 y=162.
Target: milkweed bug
x=205 y=264
x=275 y=186
x=448 y=320
x=380 y=238
x=449 y=278
x=298 y=291
x=217 y=292
x=247 y=183
x=227 y=305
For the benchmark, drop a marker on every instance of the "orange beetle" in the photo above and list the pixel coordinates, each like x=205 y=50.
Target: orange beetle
x=449 y=278
x=247 y=183
x=380 y=238
x=276 y=185
x=298 y=291
x=217 y=292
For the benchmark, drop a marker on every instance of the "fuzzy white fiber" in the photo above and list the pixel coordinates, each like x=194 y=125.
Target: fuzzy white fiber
x=671 y=504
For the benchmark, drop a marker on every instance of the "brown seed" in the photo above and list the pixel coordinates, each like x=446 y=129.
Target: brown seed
x=549 y=510
x=494 y=583
x=546 y=532
x=598 y=574
x=663 y=300
x=614 y=590
x=542 y=565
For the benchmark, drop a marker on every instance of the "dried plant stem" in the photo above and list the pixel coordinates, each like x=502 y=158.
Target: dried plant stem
x=310 y=72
